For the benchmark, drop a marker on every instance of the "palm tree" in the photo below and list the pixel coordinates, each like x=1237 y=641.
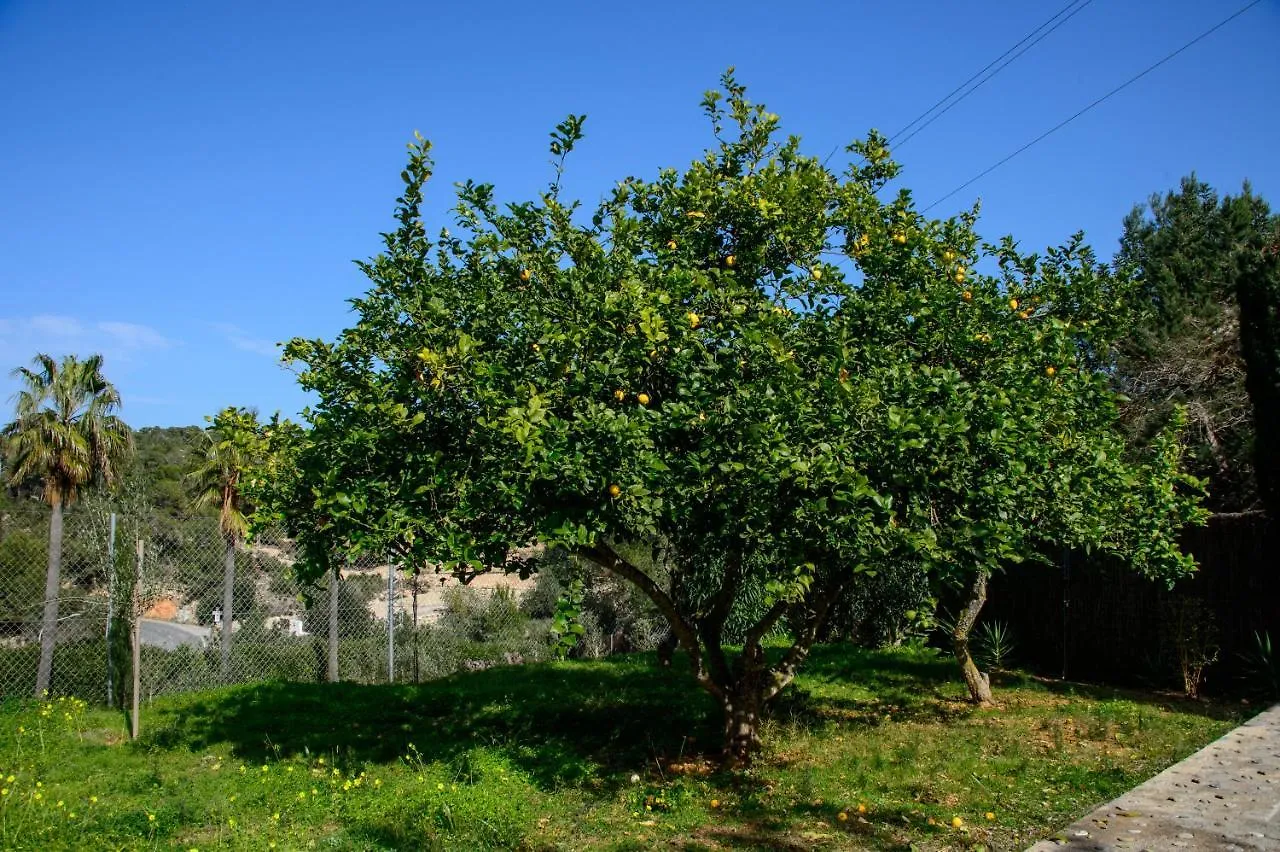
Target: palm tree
x=65 y=433
x=224 y=458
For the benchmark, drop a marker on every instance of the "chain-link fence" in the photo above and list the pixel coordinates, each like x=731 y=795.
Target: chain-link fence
x=173 y=580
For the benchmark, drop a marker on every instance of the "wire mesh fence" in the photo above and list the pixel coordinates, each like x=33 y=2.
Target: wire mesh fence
x=209 y=612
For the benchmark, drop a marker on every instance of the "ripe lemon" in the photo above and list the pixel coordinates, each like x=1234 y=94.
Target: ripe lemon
x=715 y=803
x=967 y=296
x=842 y=816
x=671 y=244
x=642 y=398
x=694 y=320
x=619 y=395
x=817 y=274
x=615 y=491
x=525 y=275
x=948 y=255
x=990 y=815
x=956 y=822
x=1025 y=314
x=900 y=239
x=862 y=808
x=1050 y=371
x=958 y=277
x=1013 y=304
x=730 y=261
x=537 y=348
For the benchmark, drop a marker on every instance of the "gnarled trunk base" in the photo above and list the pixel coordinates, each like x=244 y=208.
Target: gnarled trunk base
x=978 y=683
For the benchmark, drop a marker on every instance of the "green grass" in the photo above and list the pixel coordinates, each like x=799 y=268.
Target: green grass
x=601 y=755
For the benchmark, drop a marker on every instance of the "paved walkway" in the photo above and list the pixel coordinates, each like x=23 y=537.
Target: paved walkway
x=1224 y=797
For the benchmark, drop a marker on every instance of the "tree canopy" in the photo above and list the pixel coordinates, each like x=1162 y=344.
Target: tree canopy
x=756 y=367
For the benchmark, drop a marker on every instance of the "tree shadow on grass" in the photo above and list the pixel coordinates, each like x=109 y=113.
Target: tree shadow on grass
x=912 y=678
x=1218 y=710
x=564 y=723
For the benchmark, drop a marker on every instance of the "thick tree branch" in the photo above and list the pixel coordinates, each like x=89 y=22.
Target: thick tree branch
x=785 y=671
x=606 y=558
x=711 y=627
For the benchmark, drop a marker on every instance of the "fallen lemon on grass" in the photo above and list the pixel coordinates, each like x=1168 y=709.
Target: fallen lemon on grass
x=715 y=803
x=862 y=808
x=990 y=815
x=842 y=816
x=642 y=398
x=956 y=822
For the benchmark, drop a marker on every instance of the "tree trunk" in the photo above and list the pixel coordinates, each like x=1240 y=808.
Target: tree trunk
x=228 y=602
x=335 y=589
x=979 y=684
x=52 y=585
x=742 y=705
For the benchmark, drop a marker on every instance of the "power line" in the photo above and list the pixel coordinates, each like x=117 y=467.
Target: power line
x=1105 y=97
x=998 y=69
x=983 y=70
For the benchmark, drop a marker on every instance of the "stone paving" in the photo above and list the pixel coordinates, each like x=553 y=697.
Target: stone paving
x=1224 y=797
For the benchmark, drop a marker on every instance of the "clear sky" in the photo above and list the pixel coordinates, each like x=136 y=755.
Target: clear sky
x=182 y=185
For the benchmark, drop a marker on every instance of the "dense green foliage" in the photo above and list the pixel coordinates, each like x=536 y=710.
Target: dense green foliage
x=163 y=461
x=1205 y=336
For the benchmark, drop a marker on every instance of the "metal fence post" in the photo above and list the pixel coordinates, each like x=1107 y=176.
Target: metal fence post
x=137 y=642
x=111 y=595
x=391 y=623
x=335 y=589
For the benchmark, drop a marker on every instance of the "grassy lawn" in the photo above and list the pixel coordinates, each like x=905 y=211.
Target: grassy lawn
x=871 y=751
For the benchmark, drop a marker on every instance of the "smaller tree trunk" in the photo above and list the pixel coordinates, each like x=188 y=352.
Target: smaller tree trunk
x=667 y=650
x=335 y=588
x=52 y=585
x=228 y=603
x=978 y=683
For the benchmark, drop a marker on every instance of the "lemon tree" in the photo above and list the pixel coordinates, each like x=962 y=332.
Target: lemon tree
x=755 y=368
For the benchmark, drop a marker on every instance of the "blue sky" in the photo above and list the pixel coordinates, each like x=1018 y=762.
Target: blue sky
x=182 y=185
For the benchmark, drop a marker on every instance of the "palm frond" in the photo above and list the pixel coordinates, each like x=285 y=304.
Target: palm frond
x=64 y=432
